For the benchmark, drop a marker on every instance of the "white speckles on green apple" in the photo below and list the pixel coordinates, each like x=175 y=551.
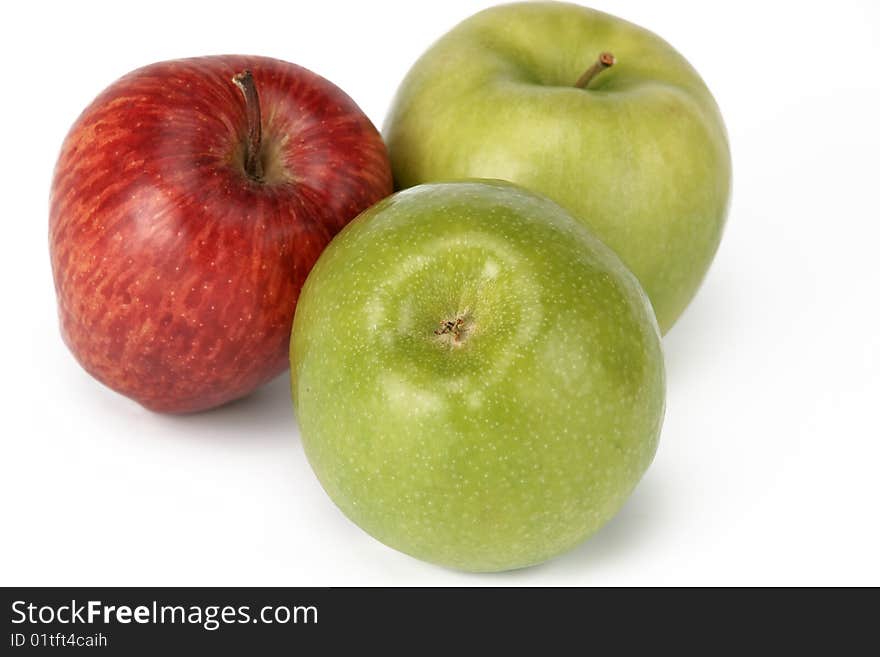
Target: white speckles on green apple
x=507 y=443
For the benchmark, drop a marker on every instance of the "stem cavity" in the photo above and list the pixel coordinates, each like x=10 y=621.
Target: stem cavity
x=253 y=164
x=606 y=60
x=453 y=332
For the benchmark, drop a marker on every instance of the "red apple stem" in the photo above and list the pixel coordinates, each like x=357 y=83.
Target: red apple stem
x=253 y=164
x=606 y=60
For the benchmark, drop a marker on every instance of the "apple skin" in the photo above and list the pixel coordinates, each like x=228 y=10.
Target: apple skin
x=176 y=273
x=640 y=155
x=509 y=444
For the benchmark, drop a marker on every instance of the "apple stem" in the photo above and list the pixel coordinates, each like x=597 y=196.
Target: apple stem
x=253 y=164
x=454 y=332
x=606 y=60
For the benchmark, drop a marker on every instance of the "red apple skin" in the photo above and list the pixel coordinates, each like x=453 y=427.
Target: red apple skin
x=176 y=273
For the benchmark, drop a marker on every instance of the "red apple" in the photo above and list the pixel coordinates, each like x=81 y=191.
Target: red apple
x=189 y=202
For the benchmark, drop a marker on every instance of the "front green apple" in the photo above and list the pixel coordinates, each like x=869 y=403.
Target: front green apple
x=638 y=151
x=478 y=380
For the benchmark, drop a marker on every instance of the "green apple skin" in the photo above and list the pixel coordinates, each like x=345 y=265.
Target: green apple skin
x=640 y=155
x=502 y=441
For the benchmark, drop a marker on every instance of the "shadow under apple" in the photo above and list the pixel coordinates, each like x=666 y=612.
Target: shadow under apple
x=641 y=516
x=264 y=416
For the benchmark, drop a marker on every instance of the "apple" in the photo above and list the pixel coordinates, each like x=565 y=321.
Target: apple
x=189 y=202
x=478 y=379
x=600 y=115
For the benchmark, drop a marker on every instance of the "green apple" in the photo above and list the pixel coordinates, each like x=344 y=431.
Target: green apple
x=478 y=379
x=637 y=150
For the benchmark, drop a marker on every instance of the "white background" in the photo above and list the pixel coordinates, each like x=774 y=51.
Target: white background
x=767 y=472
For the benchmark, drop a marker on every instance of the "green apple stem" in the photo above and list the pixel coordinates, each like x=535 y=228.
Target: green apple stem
x=253 y=164
x=606 y=60
x=454 y=331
